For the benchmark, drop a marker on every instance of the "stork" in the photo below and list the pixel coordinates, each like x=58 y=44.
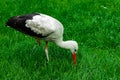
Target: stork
x=42 y=26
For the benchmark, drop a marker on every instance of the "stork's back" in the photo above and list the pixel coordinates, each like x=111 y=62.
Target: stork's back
x=13 y=20
x=19 y=22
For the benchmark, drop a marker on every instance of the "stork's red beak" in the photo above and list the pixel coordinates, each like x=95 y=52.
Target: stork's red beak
x=74 y=57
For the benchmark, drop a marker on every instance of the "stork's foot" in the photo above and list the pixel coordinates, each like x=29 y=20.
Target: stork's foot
x=46 y=51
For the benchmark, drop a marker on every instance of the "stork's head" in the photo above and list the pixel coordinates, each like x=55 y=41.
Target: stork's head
x=73 y=48
x=71 y=45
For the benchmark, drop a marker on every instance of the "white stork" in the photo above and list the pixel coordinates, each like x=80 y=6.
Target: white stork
x=41 y=26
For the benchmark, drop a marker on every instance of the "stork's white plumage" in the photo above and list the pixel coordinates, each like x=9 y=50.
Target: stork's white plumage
x=45 y=27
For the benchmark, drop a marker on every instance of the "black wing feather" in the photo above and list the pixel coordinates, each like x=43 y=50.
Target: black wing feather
x=18 y=23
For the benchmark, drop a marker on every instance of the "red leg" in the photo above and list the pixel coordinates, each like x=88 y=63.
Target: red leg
x=38 y=41
x=46 y=51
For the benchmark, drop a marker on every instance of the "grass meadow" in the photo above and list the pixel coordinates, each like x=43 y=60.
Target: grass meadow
x=94 y=24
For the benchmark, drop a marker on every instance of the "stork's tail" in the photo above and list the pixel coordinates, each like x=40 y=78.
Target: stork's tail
x=11 y=22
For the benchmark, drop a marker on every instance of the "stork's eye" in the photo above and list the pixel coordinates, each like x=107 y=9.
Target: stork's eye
x=75 y=50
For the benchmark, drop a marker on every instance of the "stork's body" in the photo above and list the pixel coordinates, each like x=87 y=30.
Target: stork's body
x=45 y=27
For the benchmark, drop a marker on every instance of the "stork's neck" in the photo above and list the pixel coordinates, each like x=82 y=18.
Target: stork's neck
x=63 y=44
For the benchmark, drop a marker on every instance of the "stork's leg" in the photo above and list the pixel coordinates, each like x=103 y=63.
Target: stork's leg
x=38 y=41
x=46 y=51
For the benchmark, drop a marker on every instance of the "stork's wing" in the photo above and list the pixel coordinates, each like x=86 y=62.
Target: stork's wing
x=40 y=25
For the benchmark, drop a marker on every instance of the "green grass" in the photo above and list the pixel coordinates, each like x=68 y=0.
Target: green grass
x=94 y=24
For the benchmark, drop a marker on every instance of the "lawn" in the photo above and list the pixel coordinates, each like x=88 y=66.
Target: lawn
x=94 y=24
